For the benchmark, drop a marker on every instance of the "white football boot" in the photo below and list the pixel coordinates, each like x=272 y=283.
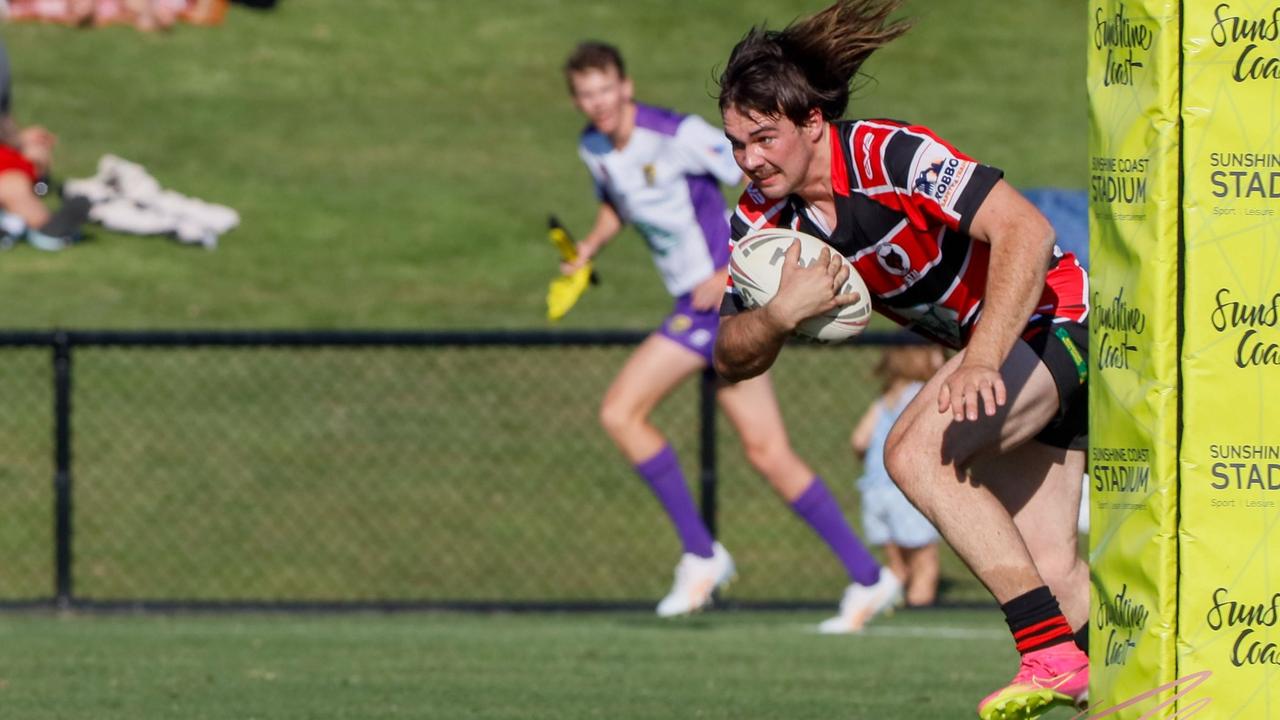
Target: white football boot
x=696 y=579
x=863 y=602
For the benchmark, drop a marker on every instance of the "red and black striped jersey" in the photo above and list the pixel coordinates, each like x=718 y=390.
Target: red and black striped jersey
x=904 y=200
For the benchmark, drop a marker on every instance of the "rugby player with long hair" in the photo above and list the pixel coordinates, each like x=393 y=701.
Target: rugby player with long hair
x=992 y=449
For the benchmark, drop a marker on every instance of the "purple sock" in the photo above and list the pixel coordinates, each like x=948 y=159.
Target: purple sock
x=662 y=472
x=819 y=508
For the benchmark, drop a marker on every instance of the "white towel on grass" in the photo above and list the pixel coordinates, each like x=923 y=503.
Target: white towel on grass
x=126 y=198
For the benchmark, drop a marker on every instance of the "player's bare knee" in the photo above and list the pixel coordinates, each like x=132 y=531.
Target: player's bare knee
x=902 y=458
x=897 y=464
x=616 y=418
x=768 y=457
x=907 y=475
x=893 y=443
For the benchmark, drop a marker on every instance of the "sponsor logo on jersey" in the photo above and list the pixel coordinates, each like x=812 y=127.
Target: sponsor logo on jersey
x=927 y=180
x=947 y=177
x=650 y=174
x=941 y=178
x=754 y=193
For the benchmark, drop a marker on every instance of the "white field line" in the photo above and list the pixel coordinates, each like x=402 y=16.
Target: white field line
x=941 y=632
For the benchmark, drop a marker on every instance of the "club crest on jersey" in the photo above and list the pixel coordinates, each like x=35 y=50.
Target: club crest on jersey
x=679 y=323
x=893 y=259
x=650 y=174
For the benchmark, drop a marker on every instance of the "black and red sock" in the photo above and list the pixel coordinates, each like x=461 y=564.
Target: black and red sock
x=1082 y=638
x=1036 y=621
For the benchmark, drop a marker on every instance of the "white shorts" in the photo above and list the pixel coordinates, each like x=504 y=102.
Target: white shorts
x=889 y=517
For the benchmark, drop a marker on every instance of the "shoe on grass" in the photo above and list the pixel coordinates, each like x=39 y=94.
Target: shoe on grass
x=1052 y=677
x=696 y=579
x=863 y=602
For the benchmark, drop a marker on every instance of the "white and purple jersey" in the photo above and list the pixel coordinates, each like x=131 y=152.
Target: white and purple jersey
x=665 y=181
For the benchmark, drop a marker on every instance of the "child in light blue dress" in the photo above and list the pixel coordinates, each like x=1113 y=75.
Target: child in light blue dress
x=910 y=542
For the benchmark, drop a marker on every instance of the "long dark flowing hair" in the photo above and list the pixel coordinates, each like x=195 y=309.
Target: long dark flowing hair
x=810 y=63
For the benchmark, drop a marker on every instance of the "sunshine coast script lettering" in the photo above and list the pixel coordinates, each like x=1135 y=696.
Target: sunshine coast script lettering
x=1125 y=617
x=1117 y=320
x=1123 y=39
x=1245 y=619
x=1256 y=322
x=1257 y=37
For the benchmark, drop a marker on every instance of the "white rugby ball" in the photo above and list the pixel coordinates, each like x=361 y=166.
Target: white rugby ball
x=756 y=269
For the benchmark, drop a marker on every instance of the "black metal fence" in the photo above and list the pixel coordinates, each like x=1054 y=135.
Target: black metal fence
x=383 y=469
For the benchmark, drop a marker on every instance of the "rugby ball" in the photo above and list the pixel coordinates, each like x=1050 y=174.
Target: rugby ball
x=756 y=269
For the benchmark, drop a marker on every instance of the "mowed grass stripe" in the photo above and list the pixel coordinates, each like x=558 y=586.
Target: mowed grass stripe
x=444 y=665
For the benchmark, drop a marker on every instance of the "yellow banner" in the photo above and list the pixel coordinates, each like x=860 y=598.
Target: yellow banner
x=1230 y=459
x=1133 y=170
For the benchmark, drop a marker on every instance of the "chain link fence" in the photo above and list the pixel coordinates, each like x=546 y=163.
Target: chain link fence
x=375 y=469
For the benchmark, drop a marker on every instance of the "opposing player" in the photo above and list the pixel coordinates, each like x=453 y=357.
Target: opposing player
x=660 y=171
x=991 y=449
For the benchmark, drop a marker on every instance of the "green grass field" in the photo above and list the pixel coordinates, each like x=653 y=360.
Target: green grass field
x=735 y=666
x=394 y=161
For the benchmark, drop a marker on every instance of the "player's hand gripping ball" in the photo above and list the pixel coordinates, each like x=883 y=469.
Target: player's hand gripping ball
x=756 y=269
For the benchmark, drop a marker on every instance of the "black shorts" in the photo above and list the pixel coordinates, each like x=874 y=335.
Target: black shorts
x=1064 y=349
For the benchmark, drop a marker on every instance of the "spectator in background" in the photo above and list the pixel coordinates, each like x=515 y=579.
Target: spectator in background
x=889 y=520
x=145 y=15
x=25 y=156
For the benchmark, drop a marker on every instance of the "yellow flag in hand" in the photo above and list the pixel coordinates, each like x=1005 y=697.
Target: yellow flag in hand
x=566 y=289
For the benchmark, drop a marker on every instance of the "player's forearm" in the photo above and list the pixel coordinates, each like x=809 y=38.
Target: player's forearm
x=606 y=227
x=1015 y=282
x=748 y=344
x=860 y=440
